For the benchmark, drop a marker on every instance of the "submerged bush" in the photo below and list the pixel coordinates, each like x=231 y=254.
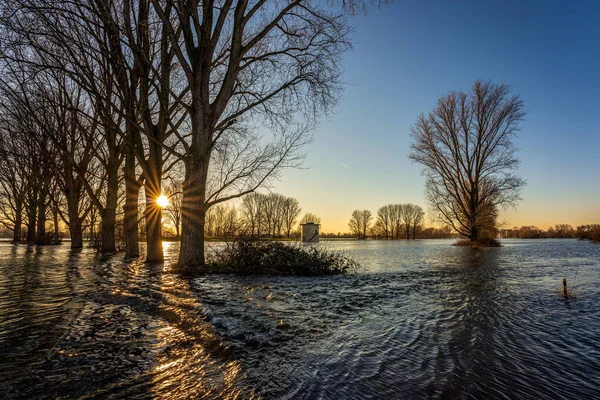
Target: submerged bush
x=483 y=242
x=589 y=232
x=269 y=257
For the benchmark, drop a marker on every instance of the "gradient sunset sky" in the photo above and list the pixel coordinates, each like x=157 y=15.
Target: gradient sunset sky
x=408 y=54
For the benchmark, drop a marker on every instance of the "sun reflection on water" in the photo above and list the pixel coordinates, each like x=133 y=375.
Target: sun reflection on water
x=191 y=360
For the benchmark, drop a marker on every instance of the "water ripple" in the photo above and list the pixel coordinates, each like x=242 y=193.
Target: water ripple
x=423 y=320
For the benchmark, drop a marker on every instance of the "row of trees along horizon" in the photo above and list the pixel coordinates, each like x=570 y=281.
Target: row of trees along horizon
x=258 y=215
x=104 y=102
x=273 y=215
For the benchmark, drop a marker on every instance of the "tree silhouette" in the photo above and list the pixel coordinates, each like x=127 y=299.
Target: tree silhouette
x=466 y=148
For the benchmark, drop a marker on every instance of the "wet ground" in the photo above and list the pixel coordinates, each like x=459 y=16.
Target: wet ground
x=421 y=320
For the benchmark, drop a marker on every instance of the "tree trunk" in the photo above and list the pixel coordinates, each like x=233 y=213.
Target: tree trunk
x=31 y=219
x=74 y=220
x=109 y=212
x=107 y=227
x=76 y=233
x=130 y=219
x=72 y=194
x=18 y=223
x=191 y=253
x=56 y=230
x=93 y=226
x=474 y=238
x=40 y=238
x=153 y=213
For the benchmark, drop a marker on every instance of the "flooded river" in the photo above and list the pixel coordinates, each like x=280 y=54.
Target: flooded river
x=421 y=319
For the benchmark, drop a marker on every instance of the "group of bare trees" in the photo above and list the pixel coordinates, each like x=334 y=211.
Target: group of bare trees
x=46 y=146
x=359 y=224
x=589 y=232
x=393 y=221
x=397 y=221
x=108 y=98
x=271 y=215
x=558 y=231
x=259 y=215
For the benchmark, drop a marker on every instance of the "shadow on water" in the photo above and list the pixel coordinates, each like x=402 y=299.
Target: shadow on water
x=79 y=325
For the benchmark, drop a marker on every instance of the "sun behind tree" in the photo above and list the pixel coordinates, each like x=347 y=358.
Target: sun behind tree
x=162 y=201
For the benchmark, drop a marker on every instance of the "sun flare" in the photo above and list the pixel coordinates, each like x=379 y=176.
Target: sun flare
x=162 y=201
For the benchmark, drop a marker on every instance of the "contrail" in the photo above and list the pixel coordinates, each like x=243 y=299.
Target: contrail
x=344 y=165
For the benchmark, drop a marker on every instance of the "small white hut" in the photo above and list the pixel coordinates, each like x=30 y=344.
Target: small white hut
x=310 y=232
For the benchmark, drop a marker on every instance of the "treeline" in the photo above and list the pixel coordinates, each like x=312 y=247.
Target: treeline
x=589 y=232
x=558 y=231
x=394 y=221
x=275 y=216
x=259 y=215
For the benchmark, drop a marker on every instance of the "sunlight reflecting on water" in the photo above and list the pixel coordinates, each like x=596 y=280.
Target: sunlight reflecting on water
x=191 y=358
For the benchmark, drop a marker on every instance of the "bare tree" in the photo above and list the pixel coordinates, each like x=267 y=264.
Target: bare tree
x=69 y=37
x=248 y=65
x=354 y=224
x=389 y=219
x=360 y=221
x=222 y=221
x=407 y=215
x=15 y=172
x=384 y=223
x=173 y=190
x=466 y=148
x=57 y=108
x=417 y=220
x=26 y=144
x=396 y=220
x=291 y=211
x=268 y=214
x=310 y=217
x=251 y=213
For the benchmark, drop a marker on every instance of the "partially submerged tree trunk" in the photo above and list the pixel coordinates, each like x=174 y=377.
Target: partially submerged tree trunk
x=56 y=229
x=191 y=253
x=31 y=221
x=153 y=216
x=18 y=222
x=75 y=228
x=40 y=238
x=107 y=234
x=130 y=219
x=153 y=213
x=109 y=212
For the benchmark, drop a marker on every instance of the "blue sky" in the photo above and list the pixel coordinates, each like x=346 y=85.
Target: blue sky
x=408 y=54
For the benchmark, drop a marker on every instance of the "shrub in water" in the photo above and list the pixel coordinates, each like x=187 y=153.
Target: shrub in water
x=268 y=257
x=483 y=242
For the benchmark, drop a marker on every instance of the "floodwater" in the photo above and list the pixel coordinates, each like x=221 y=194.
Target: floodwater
x=422 y=319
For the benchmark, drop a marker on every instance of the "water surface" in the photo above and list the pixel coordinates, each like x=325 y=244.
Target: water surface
x=421 y=320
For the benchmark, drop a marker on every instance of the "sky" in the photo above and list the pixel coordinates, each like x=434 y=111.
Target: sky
x=408 y=54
